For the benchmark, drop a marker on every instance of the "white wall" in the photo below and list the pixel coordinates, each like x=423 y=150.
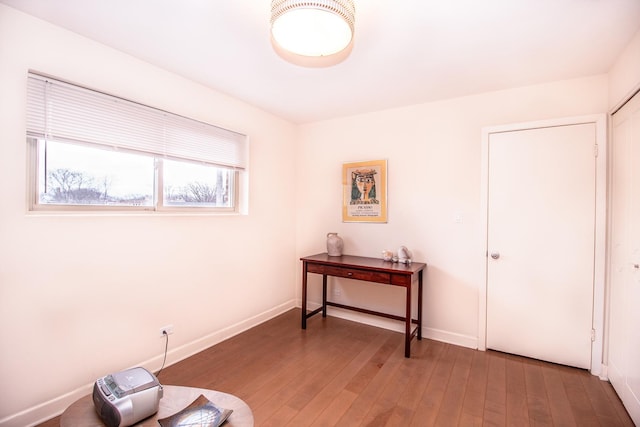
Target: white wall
x=433 y=153
x=624 y=76
x=83 y=296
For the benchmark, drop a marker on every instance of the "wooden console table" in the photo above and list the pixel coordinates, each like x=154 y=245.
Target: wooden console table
x=370 y=270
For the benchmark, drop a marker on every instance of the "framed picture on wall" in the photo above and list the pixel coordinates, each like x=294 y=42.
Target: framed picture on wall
x=364 y=191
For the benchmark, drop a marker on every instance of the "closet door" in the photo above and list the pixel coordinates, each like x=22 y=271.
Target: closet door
x=541 y=242
x=624 y=279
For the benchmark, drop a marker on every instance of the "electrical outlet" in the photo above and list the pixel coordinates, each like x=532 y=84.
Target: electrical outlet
x=337 y=291
x=168 y=329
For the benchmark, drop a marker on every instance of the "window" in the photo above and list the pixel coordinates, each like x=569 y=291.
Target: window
x=188 y=184
x=91 y=151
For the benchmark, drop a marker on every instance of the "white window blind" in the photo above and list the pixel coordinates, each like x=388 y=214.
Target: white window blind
x=62 y=111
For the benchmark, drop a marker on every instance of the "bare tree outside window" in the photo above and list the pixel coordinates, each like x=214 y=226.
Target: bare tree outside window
x=71 y=174
x=65 y=186
x=68 y=186
x=210 y=189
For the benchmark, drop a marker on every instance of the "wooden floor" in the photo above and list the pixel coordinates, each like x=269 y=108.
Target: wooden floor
x=348 y=374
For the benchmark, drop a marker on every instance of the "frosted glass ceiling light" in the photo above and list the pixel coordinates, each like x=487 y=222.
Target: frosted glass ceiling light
x=303 y=30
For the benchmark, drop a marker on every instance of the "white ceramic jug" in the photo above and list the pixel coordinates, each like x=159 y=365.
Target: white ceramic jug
x=334 y=244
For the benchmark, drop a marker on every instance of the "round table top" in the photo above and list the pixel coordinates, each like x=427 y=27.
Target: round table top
x=175 y=398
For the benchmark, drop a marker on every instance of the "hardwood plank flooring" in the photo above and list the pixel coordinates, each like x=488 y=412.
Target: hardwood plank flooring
x=344 y=373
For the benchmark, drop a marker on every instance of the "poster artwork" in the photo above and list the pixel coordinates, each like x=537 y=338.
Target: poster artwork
x=365 y=191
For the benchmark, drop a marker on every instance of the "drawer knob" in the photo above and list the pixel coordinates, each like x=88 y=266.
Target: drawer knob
x=349 y=274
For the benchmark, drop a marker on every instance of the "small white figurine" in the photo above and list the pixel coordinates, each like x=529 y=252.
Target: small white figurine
x=404 y=255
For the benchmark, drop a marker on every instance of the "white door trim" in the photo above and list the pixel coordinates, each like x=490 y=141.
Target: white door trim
x=600 y=121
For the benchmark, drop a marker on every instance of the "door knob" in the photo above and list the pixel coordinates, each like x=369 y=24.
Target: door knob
x=495 y=255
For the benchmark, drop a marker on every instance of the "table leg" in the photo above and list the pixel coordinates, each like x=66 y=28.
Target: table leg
x=304 y=295
x=420 y=305
x=324 y=295
x=407 y=333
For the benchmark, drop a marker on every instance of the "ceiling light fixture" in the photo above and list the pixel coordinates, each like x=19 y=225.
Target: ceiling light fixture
x=312 y=33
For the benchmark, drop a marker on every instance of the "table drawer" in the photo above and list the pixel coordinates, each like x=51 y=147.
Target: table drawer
x=401 y=280
x=350 y=273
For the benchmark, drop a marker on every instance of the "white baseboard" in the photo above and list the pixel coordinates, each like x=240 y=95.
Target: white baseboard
x=45 y=411
x=193 y=347
x=604 y=372
x=394 y=325
x=461 y=340
x=54 y=407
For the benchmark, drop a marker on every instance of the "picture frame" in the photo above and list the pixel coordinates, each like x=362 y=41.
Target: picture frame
x=364 y=191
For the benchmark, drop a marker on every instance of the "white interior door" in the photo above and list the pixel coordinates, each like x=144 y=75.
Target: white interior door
x=624 y=272
x=541 y=206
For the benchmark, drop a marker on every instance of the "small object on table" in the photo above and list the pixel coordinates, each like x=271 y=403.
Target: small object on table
x=404 y=255
x=335 y=244
x=201 y=412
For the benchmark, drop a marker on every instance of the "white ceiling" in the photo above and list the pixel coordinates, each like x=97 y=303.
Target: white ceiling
x=405 y=52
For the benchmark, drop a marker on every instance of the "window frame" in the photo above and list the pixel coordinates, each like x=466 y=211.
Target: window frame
x=162 y=207
x=238 y=175
x=158 y=206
